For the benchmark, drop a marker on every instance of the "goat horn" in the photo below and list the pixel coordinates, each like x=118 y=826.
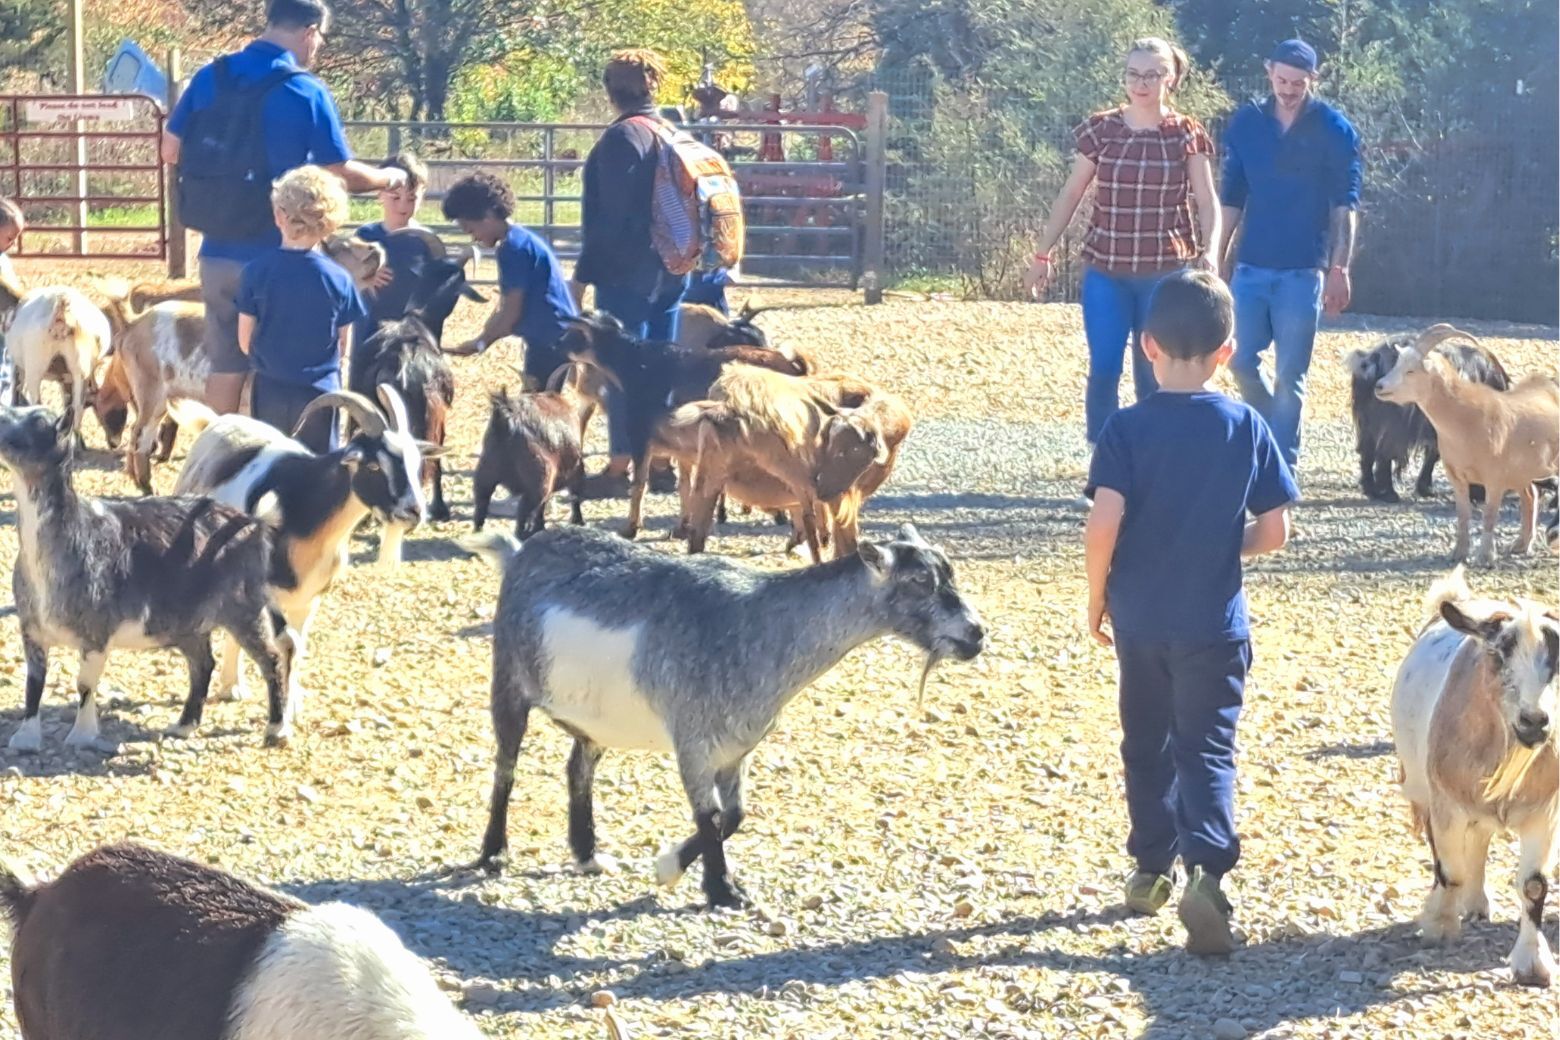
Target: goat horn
x=466 y=256
x=353 y=403
x=436 y=247
x=395 y=408
x=559 y=376
x=1435 y=335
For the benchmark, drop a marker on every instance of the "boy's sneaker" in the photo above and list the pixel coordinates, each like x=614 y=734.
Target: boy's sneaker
x=1206 y=914
x=1148 y=892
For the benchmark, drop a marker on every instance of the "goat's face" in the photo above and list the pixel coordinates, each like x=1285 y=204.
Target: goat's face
x=387 y=466
x=1371 y=366
x=740 y=332
x=924 y=607
x=850 y=445
x=442 y=286
x=597 y=340
x=1523 y=645
x=361 y=259
x=1405 y=384
x=34 y=439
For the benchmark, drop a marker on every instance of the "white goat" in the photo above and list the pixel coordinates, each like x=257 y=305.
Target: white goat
x=58 y=334
x=1503 y=441
x=1473 y=717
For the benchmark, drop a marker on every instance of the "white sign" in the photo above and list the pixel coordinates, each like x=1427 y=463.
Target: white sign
x=101 y=110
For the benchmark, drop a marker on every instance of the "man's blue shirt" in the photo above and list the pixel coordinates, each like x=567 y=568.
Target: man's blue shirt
x=299 y=120
x=1288 y=182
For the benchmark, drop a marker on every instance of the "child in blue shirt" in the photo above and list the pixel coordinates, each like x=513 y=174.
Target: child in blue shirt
x=534 y=299
x=296 y=307
x=405 y=257
x=1174 y=479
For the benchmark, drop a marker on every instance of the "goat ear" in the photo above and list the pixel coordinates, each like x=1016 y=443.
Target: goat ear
x=62 y=429
x=878 y=558
x=471 y=294
x=430 y=450
x=1484 y=628
x=352 y=458
x=908 y=533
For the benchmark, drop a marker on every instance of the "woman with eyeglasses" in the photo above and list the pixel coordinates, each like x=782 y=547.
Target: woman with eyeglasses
x=1149 y=161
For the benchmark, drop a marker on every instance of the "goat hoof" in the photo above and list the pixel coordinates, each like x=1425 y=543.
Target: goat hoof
x=1533 y=965
x=729 y=897
x=1389 y=495
x=600 y=863
x=278 y=735
x=180 y=730
x=439 y=511
x=78 y=738
x=631 y=531
x=668 y=867
x=28 y=738
x=1423 y=490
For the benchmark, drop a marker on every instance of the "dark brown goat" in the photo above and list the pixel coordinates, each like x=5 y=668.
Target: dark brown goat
x=532 y=449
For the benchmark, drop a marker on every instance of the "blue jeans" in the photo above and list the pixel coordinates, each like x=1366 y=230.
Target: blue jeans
x=1280 y=308
x=1179 y=706
x=655 y=319
x=1114 y=309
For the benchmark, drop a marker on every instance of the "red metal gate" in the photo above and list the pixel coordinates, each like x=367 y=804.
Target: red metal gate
x=88 y=174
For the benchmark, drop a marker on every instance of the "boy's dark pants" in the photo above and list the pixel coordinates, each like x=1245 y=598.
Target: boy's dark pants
x=279 y=404
x=1179 y=705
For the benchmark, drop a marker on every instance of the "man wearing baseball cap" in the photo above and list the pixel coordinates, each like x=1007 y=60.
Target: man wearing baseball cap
x=1291 y=183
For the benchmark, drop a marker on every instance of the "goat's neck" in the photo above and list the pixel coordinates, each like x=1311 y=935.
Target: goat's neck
x=1445 y=403
x=811 y=619
x=49 y=525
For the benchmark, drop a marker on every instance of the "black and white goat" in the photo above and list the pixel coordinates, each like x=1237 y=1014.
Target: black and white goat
x=98 y=576
x=316 y=501
x=627 y=647
x=134 y=944
x=1386 y=435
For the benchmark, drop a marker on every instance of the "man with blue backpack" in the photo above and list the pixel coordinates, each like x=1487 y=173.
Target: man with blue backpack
x=245 y=120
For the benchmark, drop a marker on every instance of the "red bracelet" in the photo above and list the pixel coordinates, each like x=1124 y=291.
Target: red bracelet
x=1043 y=256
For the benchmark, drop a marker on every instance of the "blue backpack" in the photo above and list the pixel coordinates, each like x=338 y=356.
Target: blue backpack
x=223 y=185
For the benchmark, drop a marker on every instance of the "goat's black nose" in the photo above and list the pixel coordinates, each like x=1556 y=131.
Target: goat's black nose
x=1538 y=720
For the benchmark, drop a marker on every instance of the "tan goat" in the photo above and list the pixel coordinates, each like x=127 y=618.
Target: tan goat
x=1504 y=441
x=1473 y=718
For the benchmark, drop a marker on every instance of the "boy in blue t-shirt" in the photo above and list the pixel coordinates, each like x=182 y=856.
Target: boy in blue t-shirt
x=405 y=257
x=534 y=299
x=1173 y=480
x=296 y=308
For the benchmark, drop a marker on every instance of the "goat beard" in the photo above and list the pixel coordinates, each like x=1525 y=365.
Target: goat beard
x=1513 y=769
x=931 y=662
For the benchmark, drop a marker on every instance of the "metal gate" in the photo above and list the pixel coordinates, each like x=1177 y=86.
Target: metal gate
x=88 y=174
x=808 y=217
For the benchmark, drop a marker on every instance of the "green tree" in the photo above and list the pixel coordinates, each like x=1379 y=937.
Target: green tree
x=28 y=29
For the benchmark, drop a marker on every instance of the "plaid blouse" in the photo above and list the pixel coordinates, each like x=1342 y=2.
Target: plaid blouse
x=1142 y=220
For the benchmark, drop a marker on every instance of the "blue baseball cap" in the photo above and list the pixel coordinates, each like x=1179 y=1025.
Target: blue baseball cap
x=1296 y=53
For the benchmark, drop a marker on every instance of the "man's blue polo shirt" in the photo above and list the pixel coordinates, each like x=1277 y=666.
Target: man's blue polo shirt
x=1288 y=182
x=299 y=120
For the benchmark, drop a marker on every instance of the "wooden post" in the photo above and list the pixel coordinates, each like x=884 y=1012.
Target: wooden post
x=876 y=176
x=78 y=87
x=178 y=239
x=549 y=186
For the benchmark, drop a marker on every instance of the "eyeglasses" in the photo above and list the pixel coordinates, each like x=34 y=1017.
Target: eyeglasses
x=1148 y=79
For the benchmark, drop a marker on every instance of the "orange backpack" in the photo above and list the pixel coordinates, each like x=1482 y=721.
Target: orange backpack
x=696 y=206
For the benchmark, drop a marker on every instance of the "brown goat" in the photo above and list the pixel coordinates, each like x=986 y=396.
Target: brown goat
x=532 y=448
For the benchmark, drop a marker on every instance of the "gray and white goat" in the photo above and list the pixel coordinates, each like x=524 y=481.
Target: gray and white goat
x=98 y=576
x=628 y=647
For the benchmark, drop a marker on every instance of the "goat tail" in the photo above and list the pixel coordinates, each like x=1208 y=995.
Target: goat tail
x=191 y=415
x=495 y=547
x=16 y=892
x=1452 y=588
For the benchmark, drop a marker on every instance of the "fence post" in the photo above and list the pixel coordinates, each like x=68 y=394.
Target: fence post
x=876 y=181
x=178 y=240
x=78 y=87
x=549 y=184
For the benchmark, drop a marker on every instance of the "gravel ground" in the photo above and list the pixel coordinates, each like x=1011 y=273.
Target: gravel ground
x=947 y=872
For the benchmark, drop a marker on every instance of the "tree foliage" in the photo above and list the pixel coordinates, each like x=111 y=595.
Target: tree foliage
x=28 y=29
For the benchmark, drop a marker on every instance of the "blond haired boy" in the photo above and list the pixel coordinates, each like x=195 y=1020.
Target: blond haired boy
x=296 y=308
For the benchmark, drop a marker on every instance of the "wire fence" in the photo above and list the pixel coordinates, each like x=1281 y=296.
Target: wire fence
x=1459 y=215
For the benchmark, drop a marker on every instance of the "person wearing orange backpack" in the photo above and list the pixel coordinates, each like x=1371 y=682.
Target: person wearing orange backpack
x=617 y=255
